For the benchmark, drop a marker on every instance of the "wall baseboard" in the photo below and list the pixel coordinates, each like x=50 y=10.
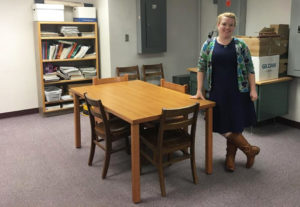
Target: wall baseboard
x=288 y=122
x=36 y=110
x=19 y=113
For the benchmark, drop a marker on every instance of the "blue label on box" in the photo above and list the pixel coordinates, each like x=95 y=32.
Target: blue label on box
x=84 y=19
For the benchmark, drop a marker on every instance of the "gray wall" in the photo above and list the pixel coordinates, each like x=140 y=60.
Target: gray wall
x=182 y=37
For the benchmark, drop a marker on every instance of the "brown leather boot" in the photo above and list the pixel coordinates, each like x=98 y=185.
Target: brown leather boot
x=250 y=151
x=230 y=156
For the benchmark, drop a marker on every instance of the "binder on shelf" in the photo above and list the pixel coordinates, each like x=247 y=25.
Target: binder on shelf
x=75 y=51
x=83 y=50
x=60 y=48
x=72 y=50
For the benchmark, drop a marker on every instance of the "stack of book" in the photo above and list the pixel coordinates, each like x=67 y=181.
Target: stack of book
x=88 y=72
x=69 y=31
x=69 y=73
x=49 y=34
x=48 y=77
x=87 y=34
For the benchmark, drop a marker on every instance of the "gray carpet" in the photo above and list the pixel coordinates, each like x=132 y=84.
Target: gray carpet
x=41 y=167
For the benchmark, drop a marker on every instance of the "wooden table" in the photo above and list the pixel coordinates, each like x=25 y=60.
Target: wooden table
x=137 y=102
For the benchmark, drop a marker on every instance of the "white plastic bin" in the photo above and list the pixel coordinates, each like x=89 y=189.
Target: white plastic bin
x=53 y=93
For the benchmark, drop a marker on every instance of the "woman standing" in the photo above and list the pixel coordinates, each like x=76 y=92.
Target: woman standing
x=226 y=63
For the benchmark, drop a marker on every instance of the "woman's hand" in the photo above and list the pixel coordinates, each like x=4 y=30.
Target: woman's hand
x=198 y=95
x=253 y=95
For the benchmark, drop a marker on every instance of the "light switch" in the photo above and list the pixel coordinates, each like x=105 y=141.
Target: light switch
x=126 y=37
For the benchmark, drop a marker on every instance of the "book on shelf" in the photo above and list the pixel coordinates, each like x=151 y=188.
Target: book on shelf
x=88 y=72
x=90 y=55
x=48 y=77
x=69 y=31
x=72 y=50
x=60 y=48
x=68 y=105
x=46 y=48
x=66 y=42
x=54 y=107
x=62 y=75
x=76 y=77
x=83 y=50
x=87 y=34
x=69 y=73
x=75 y=51
x=49 y=34
x=65 y=52
x=51 y=51
x=66 y=97
x=55 y=52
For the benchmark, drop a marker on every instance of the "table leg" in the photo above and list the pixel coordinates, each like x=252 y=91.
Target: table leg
x=208 y=140
x=77 y=121
x=135 y=163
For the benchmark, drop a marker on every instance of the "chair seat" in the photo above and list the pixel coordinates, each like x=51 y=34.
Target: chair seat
x=174 y=139
x=118 y=127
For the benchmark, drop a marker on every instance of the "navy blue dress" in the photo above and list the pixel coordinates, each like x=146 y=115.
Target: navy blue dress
x=234 y=110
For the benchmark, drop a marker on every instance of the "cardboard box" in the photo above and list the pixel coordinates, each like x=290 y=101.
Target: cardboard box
x=266 y=67
x=262 y=46
x=284 y=48
x=267 y=32
x=282 y=30
x=48 y=12
x=84 y=14
x=283 y=65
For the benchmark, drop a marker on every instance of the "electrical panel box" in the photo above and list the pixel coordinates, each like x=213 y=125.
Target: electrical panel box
x=151 y=26
x=239 y=7
x=294 y=41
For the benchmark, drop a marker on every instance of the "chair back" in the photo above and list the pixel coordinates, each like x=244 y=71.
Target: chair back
x=173 y=86
x=169 y=121
x=97 y=112
x=132 y=71
x=97 y=81
x=152 y=71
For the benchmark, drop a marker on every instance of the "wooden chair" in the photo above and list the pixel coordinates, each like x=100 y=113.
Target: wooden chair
x=107 y=131
x=170 y=137
x=132 y=71
x=97 y=81
x=152 y=71
x=173 y=86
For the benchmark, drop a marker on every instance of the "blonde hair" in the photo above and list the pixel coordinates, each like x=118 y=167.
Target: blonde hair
x=226 y=14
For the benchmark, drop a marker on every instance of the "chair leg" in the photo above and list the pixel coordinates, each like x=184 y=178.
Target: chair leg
x=106 y=163
x=161 y=180
x=193 y=166
x=92 y=152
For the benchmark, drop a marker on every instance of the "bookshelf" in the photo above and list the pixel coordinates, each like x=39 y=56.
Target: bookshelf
x=52 y=62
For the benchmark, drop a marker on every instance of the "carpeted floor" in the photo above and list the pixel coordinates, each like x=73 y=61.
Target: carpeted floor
x=39 y=166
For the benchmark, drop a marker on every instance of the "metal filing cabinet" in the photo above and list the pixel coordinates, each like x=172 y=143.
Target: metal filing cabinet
x=151 y=26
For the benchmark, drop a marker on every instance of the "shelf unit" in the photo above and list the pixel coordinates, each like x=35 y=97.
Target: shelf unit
x=92 y=41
